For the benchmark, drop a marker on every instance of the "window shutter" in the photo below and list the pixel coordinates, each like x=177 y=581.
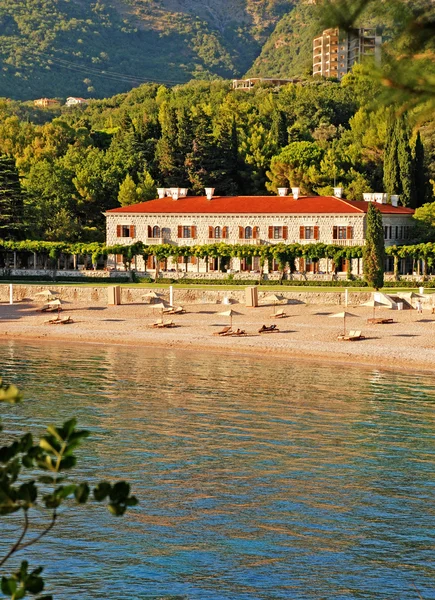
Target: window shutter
x=180 y=231
x=301 y=232
x=180 y=260
x=133 y=231
x=118 y=231
x=316 y=232
x=349 y=233
x=193 y=230
x=256 y=232
x=241 y=233
x=285 y=233
x=150 y=233
x=270 y=232
x=225 y=233
x=335 y=232
x=210 y=232
x=193 y=260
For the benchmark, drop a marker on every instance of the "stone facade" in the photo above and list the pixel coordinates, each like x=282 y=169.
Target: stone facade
x=201 y=228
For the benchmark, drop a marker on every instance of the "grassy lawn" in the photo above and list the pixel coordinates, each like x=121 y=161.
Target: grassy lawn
x=262 y=288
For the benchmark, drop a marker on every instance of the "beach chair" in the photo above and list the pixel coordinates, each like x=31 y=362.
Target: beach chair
x=279 y=314
x=158 y=323
x=224 y=331
x=179 y=310
x=379 y=321
x=352 y=337
x=238 y=332
x=268 y=329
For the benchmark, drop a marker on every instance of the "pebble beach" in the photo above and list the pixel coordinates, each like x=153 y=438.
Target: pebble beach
x=306 y=332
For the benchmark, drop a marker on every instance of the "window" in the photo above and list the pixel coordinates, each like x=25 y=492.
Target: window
x=309 y=233
x=342 y=232
x=248 y=233
x=156 y=231
x=277 y=232
x=125 y=231
x=217 y=232
x=388 y=232
x=186 y=231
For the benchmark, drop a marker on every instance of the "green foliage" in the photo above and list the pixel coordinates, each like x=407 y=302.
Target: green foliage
x=295 y=166
x=36 y=478
x=374 y=249
x=128 y=192
x=11 y=200
x=425 y=222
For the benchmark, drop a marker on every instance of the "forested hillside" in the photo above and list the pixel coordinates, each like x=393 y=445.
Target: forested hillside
x=58 y=48
x=116 y=151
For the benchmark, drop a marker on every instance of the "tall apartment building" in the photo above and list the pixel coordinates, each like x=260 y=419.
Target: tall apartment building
x=336 y=51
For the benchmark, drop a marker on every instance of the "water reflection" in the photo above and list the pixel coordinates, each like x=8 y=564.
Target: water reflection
x=257 y=478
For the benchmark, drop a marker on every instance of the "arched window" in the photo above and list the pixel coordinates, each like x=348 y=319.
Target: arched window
x=156 y=231
x=248 y=233
x=217 y=232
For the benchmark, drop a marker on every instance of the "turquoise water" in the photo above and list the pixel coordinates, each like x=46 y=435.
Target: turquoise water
x=257 y=478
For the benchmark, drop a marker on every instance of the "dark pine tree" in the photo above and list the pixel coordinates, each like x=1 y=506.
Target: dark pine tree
x=11 y=200
x=391 y=164
x=374 y=249
x=398 y=161
x=167 y=151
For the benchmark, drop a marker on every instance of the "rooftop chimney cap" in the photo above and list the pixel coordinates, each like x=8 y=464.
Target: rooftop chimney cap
x=295 y=192
x=209 y=191
x=394 y=199
x=183 y=192
x=175 y=193
x=161 y=192
x=282 y=191
x=338 y=192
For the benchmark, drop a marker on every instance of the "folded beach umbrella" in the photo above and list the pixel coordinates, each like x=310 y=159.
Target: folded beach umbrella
x=229 y=313
x=342 y=315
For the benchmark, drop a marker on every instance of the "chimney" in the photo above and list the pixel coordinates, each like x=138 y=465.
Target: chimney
x=161 y=192
x=209 y=193
x=394 y=200
x=380 y=198
x=175 y=193
x=282 y=192
x=368 y=197
x=338 y=192
x=295 y=192
x=183 y=192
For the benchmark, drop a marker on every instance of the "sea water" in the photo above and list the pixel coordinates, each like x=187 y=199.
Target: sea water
x=258 y=478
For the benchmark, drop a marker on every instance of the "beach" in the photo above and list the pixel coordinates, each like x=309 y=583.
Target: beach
x=306 y=332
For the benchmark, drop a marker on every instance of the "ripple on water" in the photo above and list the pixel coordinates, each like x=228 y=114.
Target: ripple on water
x=257 y=478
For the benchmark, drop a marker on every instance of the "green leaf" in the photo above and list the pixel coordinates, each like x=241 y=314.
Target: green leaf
x=82 y=493
x=120 y=491
x=102 y=491
x=8 y=586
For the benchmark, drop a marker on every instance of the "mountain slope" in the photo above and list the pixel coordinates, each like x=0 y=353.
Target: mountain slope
x=83 y=48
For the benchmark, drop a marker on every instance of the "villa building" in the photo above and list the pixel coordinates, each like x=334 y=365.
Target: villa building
x=178 y=219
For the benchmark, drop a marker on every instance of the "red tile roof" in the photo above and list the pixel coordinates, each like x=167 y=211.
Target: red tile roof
x=256 y=205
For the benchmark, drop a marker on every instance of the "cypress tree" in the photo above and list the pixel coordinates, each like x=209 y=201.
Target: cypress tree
x=391 y=163
x=374 y=249
x=278 y=130
x=11 y=200
x=421 y=182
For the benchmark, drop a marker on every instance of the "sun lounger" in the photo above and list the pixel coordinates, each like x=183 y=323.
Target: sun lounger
x=161 y=324
x=352 y=337
x=224 y=331
x=378 y=321
x=279 y=314
x=268 y=329
x=57 y=321
x=239 y=332
x=179 y=310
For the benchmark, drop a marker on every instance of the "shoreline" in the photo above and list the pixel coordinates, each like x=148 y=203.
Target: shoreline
x=307 y=334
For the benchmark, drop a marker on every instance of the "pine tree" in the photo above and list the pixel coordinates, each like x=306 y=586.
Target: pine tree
x=11 y=200
x=128 y=193
x=374 y=249
x=147 y=189
x=168 y=151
